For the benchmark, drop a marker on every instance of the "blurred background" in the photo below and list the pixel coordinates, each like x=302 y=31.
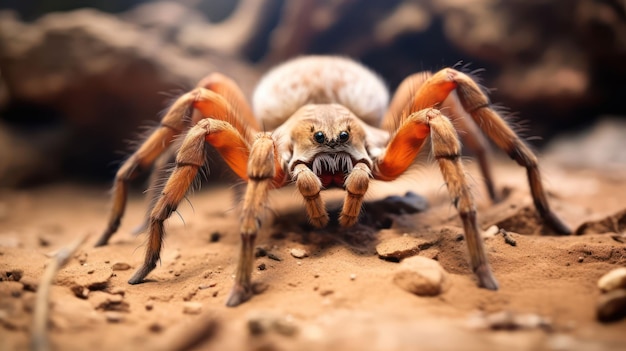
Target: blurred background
x=79 y=79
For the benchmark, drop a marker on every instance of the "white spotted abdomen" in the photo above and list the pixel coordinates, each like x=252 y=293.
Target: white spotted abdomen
x=319 y=80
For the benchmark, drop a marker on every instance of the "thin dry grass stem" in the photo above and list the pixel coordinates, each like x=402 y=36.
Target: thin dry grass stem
x=39 y=337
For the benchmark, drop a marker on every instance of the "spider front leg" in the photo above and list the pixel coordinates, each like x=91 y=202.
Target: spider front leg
x=264 y=172
x=310 y=186
x=402 y=150
x=191 y=156
x=356 y=184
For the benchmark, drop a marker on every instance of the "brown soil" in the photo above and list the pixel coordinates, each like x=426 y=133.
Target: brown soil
x=341 y=296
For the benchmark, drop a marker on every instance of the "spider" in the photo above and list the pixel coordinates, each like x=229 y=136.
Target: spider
x=327 y=122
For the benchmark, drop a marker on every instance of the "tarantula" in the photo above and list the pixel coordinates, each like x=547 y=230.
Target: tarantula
x=327 y=122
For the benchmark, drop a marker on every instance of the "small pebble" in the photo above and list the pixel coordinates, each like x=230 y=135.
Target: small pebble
x=156 y=327
x=120 y=266
x=192 y=308
x=113 y=316
x=263 y=322
x=29 y=283
x=580 y=259
x=421 y=276
x=507 y=320
x=262 y=267
x=352 y=276
x=614 y=279
x=491 y=232
x=149 y=305
x=612 y=306
x=273 y=257
x=298 y=253
x=260 y=252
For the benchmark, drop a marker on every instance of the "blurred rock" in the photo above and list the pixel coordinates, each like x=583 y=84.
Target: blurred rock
x=612 y=306
x=614 y=279
x=75 y=86
x=600 y=146
x=96 y=79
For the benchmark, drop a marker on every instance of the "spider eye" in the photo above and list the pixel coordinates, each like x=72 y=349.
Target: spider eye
x=319 y=137
x=344 y=136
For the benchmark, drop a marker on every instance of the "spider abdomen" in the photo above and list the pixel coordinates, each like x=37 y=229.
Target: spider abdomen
x=319 y=80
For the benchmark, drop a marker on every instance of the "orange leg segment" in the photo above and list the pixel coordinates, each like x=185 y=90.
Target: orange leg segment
x=447 y=150
x=215 y=98
x=189 y=159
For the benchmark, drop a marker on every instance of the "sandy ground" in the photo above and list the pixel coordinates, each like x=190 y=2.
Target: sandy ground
x=342 y=296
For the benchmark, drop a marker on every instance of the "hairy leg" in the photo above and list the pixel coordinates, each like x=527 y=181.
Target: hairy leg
x=161 y=171
x=434 y=91
x=477 y=105
x=446 y=148
x=310 y=186
x=262 y=176
x=141 y=160
x=214 y=98
x=401 y=107
x=356 y=185
x=472 y=138
x=189 y=159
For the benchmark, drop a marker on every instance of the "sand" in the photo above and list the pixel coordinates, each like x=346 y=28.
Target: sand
x=338 y=293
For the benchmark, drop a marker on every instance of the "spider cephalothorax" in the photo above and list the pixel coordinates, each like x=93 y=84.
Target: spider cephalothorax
x=328 y=124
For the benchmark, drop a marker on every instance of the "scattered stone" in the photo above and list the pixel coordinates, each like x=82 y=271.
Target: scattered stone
x=13 y=275
x=273 y=257
x=30 y=283
x=108 y=302
x=507 y=320
x=192 y=307
x=298 y=253
x=395 y=249
x=612 y=306
x=120 y=266
x=156 y=327
x=80 y=291
x=262 y=267
x=263 y=322
x=421 y=276
x=43 y=241
x=81 y=257
x=352 y=276
x=615 y=279
x=326 y=292
x=581 y=259
x=149 y=306
x=114 y=317
x=78 y=275
x=260 y=252
x=490 y=232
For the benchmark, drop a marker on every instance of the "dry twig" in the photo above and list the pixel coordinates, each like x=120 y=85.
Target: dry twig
x=39 y=338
